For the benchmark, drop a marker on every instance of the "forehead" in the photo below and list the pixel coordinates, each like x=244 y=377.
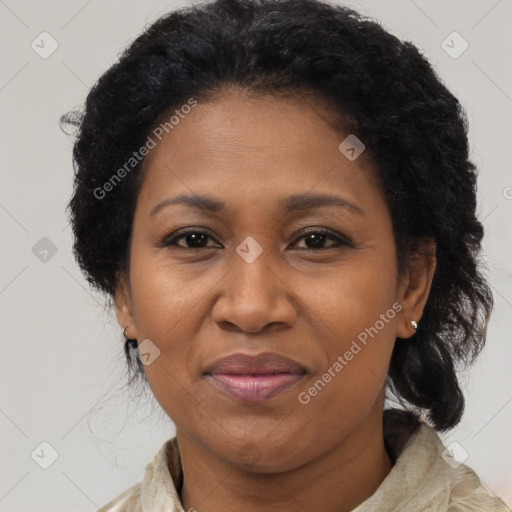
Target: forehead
x=254 y=149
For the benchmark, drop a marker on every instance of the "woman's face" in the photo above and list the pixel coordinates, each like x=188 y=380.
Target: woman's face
x=258 y=277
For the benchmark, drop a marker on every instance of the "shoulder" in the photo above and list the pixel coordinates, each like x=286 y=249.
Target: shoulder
x=127 y=501
x=468 y=494
x=449 y=482
x=425 y=476
x=157 y=489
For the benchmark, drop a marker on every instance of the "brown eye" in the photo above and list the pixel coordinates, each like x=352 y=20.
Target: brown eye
x=316 y=240
x=192 y=240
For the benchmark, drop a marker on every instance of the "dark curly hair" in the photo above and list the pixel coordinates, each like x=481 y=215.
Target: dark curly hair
x=380 y=88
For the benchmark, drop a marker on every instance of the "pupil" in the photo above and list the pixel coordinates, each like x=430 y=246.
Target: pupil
x=197 y=239
x=316 y=239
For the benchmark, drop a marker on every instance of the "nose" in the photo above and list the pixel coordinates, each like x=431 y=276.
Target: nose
x=255 y=296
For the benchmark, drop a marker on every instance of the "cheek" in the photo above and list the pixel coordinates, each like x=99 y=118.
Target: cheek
x=349 y=386
x=355 y=311
x=163 y=306
x=171 y=304
x=166 y=294
x=352 y=297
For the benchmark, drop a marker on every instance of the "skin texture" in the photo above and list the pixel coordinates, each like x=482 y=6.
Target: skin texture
x=197 y=305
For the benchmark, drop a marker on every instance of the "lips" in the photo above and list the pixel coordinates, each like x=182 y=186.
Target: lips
x=264 y=363
x=254 y=378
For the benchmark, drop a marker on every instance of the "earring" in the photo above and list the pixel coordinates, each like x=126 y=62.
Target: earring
x=124 y=330
x=414 y=325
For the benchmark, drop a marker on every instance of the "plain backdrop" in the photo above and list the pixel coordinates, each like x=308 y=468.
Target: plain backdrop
x=62 y=366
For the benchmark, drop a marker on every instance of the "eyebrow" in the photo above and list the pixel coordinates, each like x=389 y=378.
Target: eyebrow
x=296 y=202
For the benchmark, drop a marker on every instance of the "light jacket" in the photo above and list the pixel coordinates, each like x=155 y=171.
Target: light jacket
x=424 y=477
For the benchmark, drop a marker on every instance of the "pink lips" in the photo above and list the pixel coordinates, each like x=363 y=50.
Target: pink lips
x=255 y=378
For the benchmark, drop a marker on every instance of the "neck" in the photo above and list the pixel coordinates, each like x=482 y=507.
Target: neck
x=337 y=480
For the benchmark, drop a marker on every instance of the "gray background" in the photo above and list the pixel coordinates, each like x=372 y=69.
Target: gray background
x=62 y=367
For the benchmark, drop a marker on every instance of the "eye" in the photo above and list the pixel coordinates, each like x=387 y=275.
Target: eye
x=315 y=240
x=193 y=239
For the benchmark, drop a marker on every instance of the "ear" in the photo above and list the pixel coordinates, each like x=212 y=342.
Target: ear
x=415 y=286
x=124 y=307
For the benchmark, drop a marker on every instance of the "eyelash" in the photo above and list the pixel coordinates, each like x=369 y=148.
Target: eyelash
x=170 y=240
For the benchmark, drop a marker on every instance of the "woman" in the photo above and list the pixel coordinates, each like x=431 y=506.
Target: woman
x=277 y=196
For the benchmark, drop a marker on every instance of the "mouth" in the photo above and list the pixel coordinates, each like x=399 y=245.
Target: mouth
x=254 y=387
x=254 y=378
